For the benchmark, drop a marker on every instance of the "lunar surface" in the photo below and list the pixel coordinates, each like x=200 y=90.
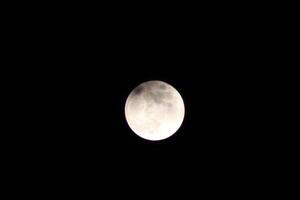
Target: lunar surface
x=154 y=110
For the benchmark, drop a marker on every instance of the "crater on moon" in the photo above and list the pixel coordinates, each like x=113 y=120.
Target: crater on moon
x=157 y=97
x=162 y=86
x=138 y=90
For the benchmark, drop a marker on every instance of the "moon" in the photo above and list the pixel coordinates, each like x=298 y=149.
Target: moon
x=154 y=110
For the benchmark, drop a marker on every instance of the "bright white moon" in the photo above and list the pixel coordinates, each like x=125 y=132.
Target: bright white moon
x=154 y=110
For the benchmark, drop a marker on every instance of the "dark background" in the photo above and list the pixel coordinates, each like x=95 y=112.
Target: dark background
x=82 y=64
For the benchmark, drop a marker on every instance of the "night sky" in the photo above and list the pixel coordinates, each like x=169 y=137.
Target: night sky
x=220 y=134
x=217 y=62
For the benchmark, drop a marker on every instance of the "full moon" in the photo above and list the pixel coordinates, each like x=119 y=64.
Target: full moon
x=154 y=110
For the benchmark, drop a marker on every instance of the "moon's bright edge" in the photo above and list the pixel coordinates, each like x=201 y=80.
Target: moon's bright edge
x=154 y=110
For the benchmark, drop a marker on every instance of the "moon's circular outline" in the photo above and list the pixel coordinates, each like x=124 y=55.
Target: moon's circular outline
x=178 y=122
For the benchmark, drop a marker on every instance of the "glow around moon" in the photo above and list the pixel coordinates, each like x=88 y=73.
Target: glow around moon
x=154 y=110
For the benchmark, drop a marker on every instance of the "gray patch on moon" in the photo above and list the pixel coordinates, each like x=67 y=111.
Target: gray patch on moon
x=169 y=105
x=159 y=97
x=138 y=90
x=163 y=86
x=153 y=93
x=156 y=97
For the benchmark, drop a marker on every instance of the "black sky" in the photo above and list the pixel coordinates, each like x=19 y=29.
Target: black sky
x=220 y=82
x=86 y=65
